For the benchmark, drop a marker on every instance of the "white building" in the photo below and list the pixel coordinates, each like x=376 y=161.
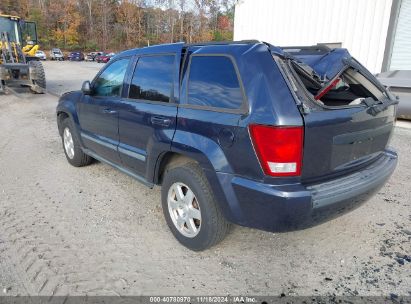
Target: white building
x=376 y=32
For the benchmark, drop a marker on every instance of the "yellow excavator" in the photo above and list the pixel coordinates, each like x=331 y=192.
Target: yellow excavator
x=18 y=63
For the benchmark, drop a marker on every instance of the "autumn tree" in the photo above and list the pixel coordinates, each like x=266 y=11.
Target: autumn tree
x=129 y=17
x=120 y=24
x=68 y=19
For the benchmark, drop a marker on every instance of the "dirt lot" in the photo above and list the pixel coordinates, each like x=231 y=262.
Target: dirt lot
x=96 y=231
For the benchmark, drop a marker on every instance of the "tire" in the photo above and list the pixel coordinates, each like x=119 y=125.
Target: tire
x=41 y=78
x=74 y=154
x=212 y=228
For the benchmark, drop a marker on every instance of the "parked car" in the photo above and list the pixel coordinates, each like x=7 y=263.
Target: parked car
x=92 y=56
x=56 y=54
x=240 y=132
x=76 y=56
x=105 y=57
x=41 y=55
x=97 y=58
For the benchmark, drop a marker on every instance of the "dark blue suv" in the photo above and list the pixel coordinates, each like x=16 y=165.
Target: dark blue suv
x=239 y=132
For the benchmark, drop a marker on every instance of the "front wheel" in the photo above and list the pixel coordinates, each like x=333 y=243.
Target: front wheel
x=72 y=149
x=39 y=83
x=191 y=212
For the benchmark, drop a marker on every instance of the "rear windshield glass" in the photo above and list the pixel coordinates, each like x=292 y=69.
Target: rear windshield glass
x=348 y=88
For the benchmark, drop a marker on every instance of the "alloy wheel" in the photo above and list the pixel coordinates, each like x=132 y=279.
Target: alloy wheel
x=184 y=209
x=68 y=143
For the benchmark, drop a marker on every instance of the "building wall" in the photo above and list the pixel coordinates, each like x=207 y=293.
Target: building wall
x=360 y=25
x=401 y=49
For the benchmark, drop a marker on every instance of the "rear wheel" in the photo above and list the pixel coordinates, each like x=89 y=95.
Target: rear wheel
x=191 y=212
x=72 y=149
x=39 y=84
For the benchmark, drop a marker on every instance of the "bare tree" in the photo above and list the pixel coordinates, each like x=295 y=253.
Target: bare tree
x=89 y=4
x=182 y=6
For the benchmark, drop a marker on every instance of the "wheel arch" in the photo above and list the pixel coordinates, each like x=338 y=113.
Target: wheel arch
x=168 y=160
x=66 y=110
x=173 y=159
x=61 y=115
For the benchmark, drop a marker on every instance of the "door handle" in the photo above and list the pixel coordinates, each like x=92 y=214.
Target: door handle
x=109 y=111
x=161 y=121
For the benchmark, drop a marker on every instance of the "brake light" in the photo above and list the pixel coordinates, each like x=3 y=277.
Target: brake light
x=279 y=149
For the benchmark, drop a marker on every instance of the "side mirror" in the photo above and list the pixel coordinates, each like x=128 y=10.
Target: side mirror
x=86 y=88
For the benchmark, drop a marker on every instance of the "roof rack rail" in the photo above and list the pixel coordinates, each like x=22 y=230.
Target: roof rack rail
x=223 y=42
x=307 y=50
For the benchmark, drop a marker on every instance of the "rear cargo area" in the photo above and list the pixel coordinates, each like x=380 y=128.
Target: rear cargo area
x=348 y=117
x=348 y=88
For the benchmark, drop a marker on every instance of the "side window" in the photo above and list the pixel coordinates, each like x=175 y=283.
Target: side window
x=110 y=82
x=213 y=82
x=153 y=78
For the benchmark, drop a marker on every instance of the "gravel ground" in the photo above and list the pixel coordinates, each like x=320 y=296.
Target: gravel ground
x=96 y=231
x=72 y=78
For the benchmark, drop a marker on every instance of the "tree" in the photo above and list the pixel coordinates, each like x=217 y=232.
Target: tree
x=120 y=24
x=67 y=23
x=182 y=7
x=129 y=17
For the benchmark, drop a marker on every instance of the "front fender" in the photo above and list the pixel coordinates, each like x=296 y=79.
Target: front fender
x=67 y=105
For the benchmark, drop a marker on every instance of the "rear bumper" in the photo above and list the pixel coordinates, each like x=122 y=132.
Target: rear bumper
x=287 y=207
x=355 y=184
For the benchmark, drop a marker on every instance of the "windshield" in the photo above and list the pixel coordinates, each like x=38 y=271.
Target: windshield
x=29 y=32
x=11 y=27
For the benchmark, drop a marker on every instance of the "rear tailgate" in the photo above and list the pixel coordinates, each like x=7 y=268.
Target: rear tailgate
x=340 y=140
x=341 y=135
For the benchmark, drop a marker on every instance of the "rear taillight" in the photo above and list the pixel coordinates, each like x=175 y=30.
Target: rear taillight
x=279 y=149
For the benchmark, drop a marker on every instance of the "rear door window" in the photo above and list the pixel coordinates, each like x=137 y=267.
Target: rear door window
x=213 y=82
x=153 y=78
